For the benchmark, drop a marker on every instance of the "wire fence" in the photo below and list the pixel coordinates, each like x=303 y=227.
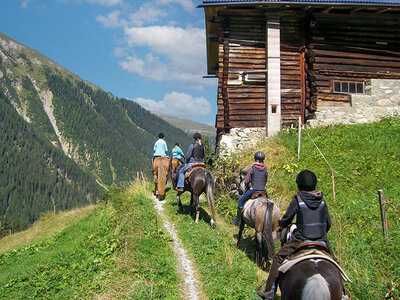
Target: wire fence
x=380 y=192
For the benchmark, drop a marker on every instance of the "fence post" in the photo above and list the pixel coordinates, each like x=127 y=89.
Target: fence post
x=383 y=214
x=299 y=142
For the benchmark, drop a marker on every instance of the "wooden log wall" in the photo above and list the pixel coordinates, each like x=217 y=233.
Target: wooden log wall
x=293 y=95
x=352 y=47
x=243 y=39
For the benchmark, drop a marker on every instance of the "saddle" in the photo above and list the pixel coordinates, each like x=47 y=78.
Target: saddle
x=309 y=250
x=259 y=194
x=192 y=168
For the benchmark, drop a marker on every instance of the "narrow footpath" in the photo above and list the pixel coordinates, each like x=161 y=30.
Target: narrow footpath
x=190 y=286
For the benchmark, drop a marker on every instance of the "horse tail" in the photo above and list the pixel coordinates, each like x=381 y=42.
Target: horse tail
x=316 y=288
x=268 y=229
x=210 y=187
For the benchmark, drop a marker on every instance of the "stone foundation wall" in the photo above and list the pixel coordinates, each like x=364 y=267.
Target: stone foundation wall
x=239 y=139
x=381 y=99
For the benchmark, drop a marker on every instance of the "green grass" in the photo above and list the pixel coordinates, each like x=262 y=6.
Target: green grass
x=116 y=252
x=225 y=272
x=120 y=250
x=368 y=156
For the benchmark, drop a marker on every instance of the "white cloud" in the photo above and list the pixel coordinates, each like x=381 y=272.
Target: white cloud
x=146 y=14
x=106 y=2
x=178 y=105
x=25 y=3
x=111 y=20
x=186 y=4
x=175 y=53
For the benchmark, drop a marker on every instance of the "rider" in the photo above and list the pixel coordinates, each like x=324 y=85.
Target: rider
x=194 y=155
x=257 y=176
x=178 y=153
x=160 y=147
x=313 y=222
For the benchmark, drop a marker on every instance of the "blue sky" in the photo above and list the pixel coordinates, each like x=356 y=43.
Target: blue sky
x=150 y=51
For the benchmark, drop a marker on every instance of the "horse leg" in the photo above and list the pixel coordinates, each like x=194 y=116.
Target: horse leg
x=178 y=197
x=196 y=199
x=240 y=233
x=259 y=249
x=155 y=184
x=191 y=204
x=210 y=197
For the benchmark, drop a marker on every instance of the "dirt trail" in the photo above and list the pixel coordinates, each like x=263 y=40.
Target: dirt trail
x=190 y=286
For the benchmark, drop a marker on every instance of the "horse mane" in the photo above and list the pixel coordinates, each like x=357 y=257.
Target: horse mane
x=316 y=288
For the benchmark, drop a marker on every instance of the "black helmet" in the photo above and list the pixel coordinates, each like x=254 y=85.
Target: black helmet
x=197 y=136
x=306 y=180
x=161 y=135
x=259 y=156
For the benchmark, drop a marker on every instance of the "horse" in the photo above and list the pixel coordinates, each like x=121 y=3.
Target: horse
x=160 y=171
x=199 y=181
x=263 y=215
x=175 y=163
x=312 y=278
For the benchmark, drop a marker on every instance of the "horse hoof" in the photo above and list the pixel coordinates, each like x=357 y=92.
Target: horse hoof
x=181 y=209
x=213 y=226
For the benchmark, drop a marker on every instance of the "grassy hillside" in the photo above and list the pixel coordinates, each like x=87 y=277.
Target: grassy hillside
x=121 y=251
x=368 y=156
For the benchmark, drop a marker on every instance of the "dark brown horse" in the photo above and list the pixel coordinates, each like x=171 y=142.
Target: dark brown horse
x=316 y=277
x=312 y=279
x=263 y=215
x=160 y=171
x=199 y=181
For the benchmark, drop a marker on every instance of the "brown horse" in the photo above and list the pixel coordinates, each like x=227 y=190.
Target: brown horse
x=175 y=163
x=263 y=215
x=160 y=171
x=312 y=279
x=199 y=181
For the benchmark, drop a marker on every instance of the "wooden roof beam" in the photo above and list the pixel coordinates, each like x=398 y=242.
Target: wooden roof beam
x=327 y=10
x=305 y=8
x=356 y=10
x=381 y=11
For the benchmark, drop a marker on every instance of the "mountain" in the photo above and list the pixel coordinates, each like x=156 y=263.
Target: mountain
x=64 y=139
x=190 y=126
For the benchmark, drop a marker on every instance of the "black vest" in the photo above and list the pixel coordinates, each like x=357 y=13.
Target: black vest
x=311 y=222
x=258 y=179
x=198 y=152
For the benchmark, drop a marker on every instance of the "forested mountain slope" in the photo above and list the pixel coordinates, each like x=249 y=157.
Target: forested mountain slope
x=61 y=134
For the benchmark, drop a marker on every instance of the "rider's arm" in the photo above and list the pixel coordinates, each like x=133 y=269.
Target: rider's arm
x=328 y=219
x=289 y=215
x=189 y=153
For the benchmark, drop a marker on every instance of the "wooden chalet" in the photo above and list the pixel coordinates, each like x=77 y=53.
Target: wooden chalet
x=279 y=60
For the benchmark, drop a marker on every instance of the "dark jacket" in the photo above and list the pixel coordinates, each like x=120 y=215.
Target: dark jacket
x=312 y=200
x=257 y=176
x=195 y=153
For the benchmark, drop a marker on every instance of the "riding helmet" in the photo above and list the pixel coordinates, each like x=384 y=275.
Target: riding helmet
x=161 y=135
x=259 y=156
x=197 y=136
x=306 y=180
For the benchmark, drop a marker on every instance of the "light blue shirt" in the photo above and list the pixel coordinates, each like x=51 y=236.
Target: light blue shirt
x=160 y=148
x=177 y=153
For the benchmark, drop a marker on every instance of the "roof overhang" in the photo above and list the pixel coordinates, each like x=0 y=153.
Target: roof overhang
x=212 y=9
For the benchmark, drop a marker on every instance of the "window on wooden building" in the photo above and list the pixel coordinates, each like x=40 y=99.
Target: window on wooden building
x=350 y=87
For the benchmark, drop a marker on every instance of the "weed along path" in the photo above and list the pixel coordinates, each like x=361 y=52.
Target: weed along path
x=190 y=287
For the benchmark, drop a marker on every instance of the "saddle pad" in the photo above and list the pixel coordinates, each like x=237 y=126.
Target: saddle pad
x=192 y=168
x=310 y=254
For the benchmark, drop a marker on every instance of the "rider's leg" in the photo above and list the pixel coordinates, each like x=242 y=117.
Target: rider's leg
x=181 y=179
x=279 y=257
